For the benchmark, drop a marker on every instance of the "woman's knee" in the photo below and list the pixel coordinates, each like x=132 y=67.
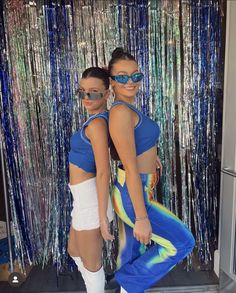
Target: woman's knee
x=91 y=264
x=72 y=251
x=186 y=246
x=191 y=242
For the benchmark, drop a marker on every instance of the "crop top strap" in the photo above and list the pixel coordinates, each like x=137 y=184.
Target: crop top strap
x=103 y=115
x=120 y=102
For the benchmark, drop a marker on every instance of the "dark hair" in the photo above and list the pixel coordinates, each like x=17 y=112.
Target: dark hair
x=99 y=73
x=119 y=54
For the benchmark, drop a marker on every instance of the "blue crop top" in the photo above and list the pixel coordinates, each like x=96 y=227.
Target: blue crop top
x=81 y=152
x=146 y=132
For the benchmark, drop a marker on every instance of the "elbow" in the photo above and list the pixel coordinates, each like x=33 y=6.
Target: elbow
x=131 y=171
x=103 y=174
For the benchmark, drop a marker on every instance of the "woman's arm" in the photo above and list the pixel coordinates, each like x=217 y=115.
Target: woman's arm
x=121 y=126
x=98 y=135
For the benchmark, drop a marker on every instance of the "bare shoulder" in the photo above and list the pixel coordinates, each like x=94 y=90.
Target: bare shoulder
x=97 y=125
x=120 y=111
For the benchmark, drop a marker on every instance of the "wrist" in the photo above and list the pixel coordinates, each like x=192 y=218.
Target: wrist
x=141 y=218
x=103 y=219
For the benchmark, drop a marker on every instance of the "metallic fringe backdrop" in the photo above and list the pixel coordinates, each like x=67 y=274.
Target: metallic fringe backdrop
x=45 y=46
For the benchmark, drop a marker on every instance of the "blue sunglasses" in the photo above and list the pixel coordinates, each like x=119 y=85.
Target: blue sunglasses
x=136 y=77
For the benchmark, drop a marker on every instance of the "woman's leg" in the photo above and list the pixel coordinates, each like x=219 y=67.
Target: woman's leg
x=73 y=250
x=72 y=247
x=129 y=247
x=85 y=240
x=140 y=267
x=90 y=245
x=85 y=247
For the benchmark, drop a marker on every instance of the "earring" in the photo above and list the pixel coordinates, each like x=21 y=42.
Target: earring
x=112 y=93
x=111 y=98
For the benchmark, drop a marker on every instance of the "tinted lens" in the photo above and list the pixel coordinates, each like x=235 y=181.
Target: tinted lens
x=95 y=96
x=136 y=77
x=121 y=78
x=81 y=94
x=91 y=96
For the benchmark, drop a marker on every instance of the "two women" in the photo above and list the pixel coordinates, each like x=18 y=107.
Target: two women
x=142 y=219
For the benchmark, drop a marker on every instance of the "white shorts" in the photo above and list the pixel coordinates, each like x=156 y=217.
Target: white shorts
x=85 y=206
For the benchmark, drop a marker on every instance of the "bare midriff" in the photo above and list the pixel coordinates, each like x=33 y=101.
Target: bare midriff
x=78 y=175
x=147 y=161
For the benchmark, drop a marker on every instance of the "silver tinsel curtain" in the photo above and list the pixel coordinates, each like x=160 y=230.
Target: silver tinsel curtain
x=46 y=45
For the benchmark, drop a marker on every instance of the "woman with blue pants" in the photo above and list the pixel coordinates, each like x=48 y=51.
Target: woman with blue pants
x=141 y=218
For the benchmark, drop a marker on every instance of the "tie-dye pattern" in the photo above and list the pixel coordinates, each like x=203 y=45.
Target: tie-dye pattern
x=139 y=267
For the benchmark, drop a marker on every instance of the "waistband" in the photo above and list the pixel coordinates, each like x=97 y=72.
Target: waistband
x=148 y=179
x=87 y=183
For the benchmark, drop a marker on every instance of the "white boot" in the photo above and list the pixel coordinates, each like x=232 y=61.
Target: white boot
x=80 y=266
x=122 y=290
x=94 y=281
x=78 y=262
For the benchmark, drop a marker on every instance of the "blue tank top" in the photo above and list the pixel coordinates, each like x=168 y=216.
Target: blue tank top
x=81 y=152
x=146 y=132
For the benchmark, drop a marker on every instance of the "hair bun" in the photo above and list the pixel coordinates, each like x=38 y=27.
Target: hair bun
x=118 y=52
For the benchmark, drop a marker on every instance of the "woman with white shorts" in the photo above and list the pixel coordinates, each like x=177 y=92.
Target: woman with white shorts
x=89 y=170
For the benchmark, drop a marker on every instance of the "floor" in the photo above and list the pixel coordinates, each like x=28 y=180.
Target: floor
x=178 y=280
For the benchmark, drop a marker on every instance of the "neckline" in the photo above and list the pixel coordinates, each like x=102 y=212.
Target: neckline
x=124 y=102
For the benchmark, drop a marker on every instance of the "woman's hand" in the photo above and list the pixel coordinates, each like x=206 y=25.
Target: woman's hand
x=104 y=227
x=143 y=231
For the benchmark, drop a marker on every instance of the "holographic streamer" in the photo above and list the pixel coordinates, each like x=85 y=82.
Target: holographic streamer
x=206 y=56
x=199 y=118
x=99 y=36
x=183 y=111
x=163 y=88
x=11 y=134
x=189 y=150
x=133 y=24
x=44 y=49
x=184 y=102
x=58 y=28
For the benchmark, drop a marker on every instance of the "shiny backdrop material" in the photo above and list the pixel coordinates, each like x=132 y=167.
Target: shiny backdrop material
x=46 y=45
